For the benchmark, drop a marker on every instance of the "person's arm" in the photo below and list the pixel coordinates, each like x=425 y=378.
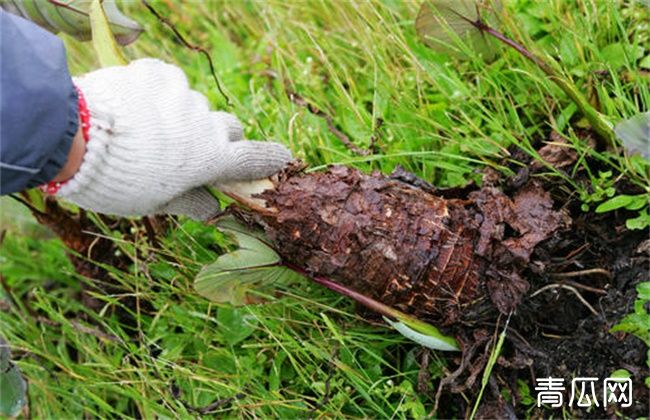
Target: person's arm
x=38 y=114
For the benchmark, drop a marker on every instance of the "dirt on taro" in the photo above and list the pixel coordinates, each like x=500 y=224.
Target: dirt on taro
x=466 y=260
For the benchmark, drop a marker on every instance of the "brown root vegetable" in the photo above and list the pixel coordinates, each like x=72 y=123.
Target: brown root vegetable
x=443 y=260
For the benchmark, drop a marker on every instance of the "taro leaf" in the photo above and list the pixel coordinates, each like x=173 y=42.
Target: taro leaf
x=635 y=134
x=28 y=10
x=72 y=18
x=431 y=339
x=233 y=276
x=13 y=388
x=441 y=23
x=232 y=226
x=103 y=40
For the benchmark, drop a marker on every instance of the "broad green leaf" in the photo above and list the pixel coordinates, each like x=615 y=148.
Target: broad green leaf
x=73 y=19
x=433 y=339
x=635 y=134
x=13 y=388
x=228 y=279
x=239 y=287
x=615 y=203
x=440 y=24
x=28 y=10
x=614 y=55
x=235 y=276
x=640 y=222
x=252 y=253
x=103 y=40
x=231 y=225
x=235 y=324
x=638 y=202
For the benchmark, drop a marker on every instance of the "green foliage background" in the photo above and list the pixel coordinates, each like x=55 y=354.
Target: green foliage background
x=308 y=353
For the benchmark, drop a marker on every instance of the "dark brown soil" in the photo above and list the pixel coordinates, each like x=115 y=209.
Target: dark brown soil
x=554 y=334
x=573 y=342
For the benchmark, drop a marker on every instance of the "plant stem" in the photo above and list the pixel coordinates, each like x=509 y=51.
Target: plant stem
x=376 y=306
x=598 y=121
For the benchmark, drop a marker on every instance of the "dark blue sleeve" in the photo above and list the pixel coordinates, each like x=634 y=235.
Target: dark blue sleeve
x=38 y=117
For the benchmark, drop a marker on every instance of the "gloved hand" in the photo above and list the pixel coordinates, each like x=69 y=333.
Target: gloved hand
x=153 y=142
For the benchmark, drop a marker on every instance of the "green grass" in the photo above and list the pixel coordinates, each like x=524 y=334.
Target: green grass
x=360 y=62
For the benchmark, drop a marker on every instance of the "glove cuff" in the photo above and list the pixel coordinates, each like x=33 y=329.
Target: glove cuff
x=53 y=187
x=82 y=187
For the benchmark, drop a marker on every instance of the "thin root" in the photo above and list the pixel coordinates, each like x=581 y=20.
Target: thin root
x=579 y=273
x=584 y=287
x=569 y=288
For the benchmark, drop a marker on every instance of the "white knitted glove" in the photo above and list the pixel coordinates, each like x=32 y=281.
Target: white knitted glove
x=154 y=142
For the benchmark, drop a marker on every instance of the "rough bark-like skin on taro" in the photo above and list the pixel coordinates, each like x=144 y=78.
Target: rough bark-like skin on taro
x=444 y=260
x=384 y=238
